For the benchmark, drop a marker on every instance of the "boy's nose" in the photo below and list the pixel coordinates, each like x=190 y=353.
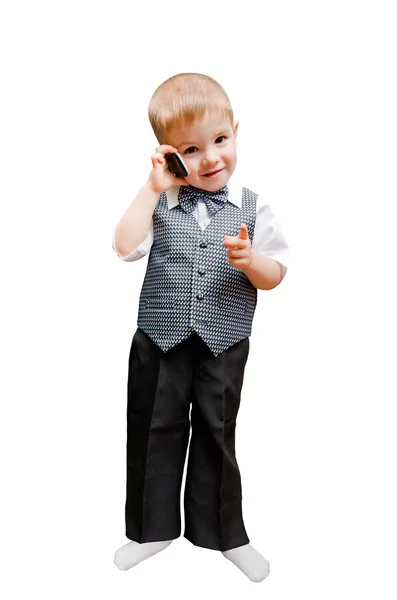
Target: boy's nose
x=210 y=159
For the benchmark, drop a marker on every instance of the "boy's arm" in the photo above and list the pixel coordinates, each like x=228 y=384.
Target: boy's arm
x=142 y=250
x=263 y=272
x=134 y=225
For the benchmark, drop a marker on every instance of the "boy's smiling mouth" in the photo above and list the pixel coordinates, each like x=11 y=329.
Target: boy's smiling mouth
x=212 y=173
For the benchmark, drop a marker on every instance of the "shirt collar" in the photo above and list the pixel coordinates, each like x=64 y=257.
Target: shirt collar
x=234 y=186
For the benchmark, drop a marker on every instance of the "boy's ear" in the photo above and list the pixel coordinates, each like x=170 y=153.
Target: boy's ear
x=235 y=128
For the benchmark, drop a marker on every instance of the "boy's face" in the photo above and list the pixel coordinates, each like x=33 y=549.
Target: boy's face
x=209 y=150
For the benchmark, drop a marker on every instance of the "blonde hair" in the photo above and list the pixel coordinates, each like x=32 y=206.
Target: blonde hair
x=185 y=98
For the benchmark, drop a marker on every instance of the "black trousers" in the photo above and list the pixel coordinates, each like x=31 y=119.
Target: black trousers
x=162 y=386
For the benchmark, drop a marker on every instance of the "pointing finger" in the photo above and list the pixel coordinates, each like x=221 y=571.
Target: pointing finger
x=243 y=233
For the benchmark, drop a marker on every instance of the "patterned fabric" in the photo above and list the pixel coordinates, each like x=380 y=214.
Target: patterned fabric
x=189 y=284
x=189 y=196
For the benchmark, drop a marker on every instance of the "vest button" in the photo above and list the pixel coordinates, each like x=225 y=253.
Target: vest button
x=200 y=297
x=201 y=272
x=203 y=245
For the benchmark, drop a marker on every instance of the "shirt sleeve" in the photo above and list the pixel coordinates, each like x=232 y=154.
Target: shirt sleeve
x=268 y=237
x=140 y=251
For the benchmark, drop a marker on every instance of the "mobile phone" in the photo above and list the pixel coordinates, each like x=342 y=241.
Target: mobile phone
x=176 y=164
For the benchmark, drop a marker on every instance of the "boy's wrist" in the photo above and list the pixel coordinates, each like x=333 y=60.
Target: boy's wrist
x=152 y=189
x=263 y=272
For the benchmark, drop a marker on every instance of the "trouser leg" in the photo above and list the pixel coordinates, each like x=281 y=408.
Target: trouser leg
x=157 y=437
x=213 y=512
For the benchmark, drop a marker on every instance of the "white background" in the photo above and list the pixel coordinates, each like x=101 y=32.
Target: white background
x=313 y=85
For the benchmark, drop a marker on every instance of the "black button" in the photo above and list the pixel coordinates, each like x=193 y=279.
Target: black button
x=203 y=245
x=199 y=296
x=201 y=272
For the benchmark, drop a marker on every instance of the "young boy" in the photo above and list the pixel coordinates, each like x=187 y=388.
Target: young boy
x=212 y=243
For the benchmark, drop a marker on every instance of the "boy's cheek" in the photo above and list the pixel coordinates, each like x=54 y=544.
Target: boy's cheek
x=193 y=166
x=192 y=174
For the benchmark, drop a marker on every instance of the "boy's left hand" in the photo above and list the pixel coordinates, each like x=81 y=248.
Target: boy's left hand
x=239 y=252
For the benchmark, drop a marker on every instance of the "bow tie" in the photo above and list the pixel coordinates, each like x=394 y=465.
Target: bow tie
x=189 y=196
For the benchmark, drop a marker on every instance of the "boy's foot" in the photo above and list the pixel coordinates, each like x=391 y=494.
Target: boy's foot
x=133 y=553
x=249 y=561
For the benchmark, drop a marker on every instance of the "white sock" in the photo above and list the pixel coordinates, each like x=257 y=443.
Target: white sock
x=133 y=553
x=249 y=561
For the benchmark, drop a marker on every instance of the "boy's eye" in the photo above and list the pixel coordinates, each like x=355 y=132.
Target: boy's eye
x=190 y=150
x=220 y=139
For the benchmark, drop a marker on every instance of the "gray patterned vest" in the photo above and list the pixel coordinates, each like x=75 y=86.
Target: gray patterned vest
x=189 y=285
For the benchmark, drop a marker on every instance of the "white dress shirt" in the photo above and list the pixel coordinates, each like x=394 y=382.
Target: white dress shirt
x=268 y=238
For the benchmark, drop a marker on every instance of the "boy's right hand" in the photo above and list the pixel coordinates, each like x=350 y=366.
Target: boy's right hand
x=161 y=179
